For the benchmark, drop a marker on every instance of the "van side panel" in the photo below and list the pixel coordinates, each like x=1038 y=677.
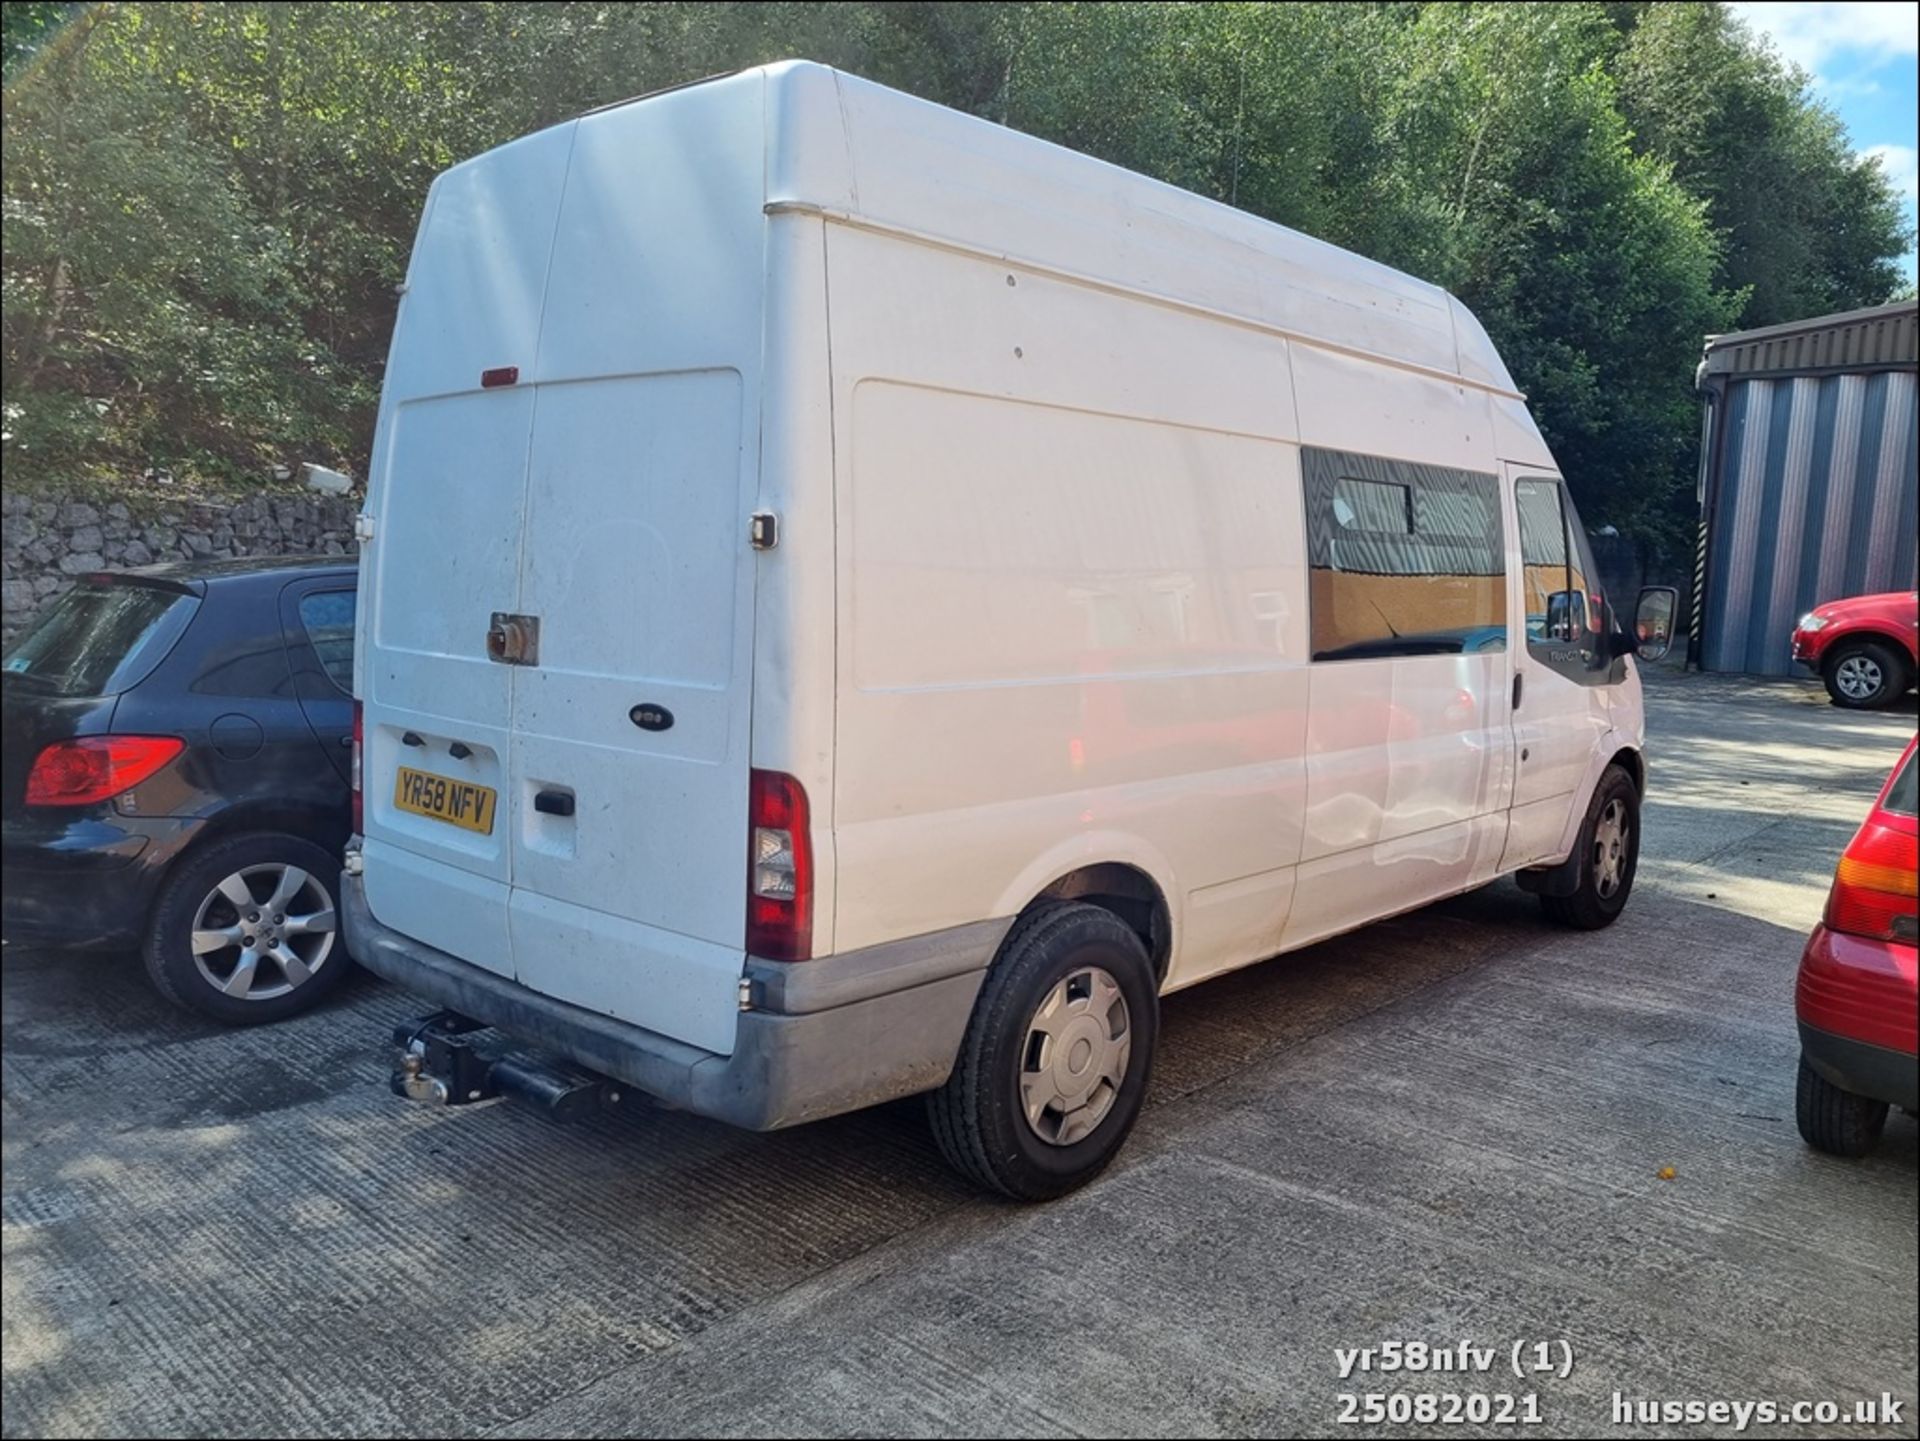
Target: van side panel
x=1072 y=601
x=929 y=169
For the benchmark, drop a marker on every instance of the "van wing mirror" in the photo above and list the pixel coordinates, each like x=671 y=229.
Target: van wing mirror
x=1653 y=621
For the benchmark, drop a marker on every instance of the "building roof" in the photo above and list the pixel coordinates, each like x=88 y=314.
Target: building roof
x=1882 y=337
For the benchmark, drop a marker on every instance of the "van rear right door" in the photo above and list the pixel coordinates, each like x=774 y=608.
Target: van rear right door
x=631 y=733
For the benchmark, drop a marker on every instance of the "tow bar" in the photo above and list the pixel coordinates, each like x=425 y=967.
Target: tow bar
x=440 y=1065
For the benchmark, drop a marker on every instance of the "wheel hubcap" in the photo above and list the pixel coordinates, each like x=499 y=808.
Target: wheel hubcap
x=1078 y=1043
x=263 y=931
x=1858 y=677
x=1610 y=849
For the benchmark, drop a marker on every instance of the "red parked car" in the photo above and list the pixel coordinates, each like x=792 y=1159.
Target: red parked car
x=1866 y=649
x=1856 y=997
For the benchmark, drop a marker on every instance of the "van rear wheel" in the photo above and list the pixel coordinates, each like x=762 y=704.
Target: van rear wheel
x=1055 y=1061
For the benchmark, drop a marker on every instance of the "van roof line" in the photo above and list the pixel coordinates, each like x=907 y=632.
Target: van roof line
x=663 y=90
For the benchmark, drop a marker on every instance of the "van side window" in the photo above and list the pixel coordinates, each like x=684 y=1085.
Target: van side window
x=1566 y=615
x=1406 y=559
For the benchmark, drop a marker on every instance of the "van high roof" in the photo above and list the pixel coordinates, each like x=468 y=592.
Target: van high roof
x=866 y=155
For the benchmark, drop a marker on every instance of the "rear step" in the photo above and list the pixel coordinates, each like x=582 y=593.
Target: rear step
x=439 y=1064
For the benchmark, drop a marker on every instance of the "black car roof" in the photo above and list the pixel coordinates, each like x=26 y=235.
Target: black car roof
x=227 y=570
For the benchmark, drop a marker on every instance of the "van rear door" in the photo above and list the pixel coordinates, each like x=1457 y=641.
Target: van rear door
x=449 y=493
x=598 y=494
x=632 y=732
x=629 y=864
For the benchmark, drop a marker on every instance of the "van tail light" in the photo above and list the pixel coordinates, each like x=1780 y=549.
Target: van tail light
x=1874 y=892
x=92 y=769
x=357 y=768
x=779 y=869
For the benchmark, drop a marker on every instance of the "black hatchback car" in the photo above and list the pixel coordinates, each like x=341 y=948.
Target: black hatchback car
x=178 y=756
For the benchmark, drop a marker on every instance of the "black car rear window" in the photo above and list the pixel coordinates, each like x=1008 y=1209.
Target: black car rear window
x=1903 y=796
x=100 y=639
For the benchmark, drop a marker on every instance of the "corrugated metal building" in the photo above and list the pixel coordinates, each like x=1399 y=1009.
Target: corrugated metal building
x=1808 y=478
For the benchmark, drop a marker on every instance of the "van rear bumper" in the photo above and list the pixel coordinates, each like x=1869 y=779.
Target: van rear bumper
x=824 y=1036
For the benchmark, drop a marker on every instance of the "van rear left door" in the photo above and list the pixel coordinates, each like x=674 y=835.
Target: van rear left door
x=448 y=492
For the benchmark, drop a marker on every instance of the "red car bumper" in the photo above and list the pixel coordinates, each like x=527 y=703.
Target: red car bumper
x=1858 y=1003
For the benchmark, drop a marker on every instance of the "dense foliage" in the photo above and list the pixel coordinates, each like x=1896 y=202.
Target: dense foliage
x=207 y=206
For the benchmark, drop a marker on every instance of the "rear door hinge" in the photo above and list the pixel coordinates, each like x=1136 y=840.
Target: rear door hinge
x=363 y=527
x=746 y=994
x=763 y=530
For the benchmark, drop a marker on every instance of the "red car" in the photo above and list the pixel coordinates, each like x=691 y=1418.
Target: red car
x=1856 y=997
x=1866 y=649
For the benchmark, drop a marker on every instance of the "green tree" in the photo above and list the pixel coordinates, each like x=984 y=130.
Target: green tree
x=207 y=206
x=26 y=26
x=1810 y=226
x=1593 y=269
x=1477 y=146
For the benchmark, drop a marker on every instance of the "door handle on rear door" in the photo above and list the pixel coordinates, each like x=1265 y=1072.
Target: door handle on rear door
x=513 y=639
x=553 y=803
x=1518 y=686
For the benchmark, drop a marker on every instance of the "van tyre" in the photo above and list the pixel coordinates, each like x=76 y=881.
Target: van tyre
x=1056 y=1057
x=247 y=930
x=1835 y=1121
x=1866 y=674
x=1608 y=853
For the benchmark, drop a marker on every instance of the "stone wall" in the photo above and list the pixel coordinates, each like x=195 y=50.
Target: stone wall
x=46 y=540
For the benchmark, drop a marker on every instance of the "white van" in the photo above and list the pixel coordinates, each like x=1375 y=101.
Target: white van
x=858 y=601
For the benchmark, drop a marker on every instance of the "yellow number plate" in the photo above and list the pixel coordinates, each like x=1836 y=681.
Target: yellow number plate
x=458 y=803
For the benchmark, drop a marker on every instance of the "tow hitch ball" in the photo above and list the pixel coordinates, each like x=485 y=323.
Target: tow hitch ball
x=440 y=1064
x=415 y=1084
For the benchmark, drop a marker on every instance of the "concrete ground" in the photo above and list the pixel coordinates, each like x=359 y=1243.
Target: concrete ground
x=1446 y=1127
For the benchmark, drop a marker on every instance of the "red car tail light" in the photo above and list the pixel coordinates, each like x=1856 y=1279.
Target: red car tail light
x=1874 y=892
x=92 y=769
x=779 y=869
x=357 y=770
